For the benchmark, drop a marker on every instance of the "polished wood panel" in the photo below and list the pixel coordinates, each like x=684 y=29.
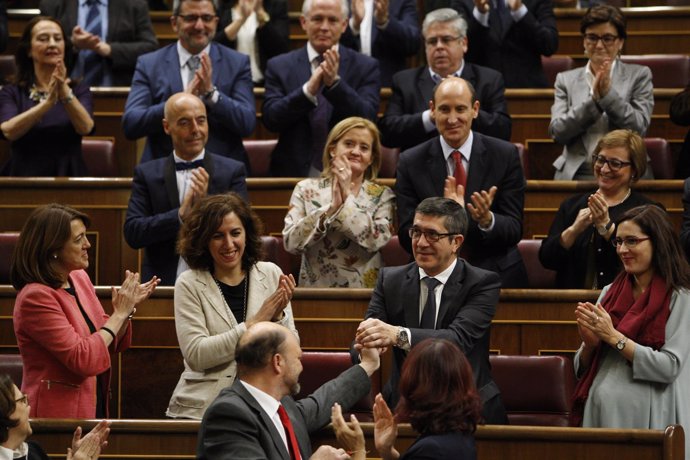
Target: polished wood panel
x=173 y=439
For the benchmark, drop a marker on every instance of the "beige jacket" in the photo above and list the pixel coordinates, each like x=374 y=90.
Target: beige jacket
x=208 y=333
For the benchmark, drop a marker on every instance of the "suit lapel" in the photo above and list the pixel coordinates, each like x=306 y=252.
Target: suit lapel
x=436 y=166
x=215 y=298
x=450 y=294
x=468 y=74
x=478 y=166
x=425 y=86
x=410 y=297
x=172 y=67
x=170 y=180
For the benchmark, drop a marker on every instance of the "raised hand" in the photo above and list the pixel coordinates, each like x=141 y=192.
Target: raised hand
x=350 y=436
x=330 y=65
x=480 y=208
x=385 y=429
x=274 y=305
x=453 y=191
x=381 y=11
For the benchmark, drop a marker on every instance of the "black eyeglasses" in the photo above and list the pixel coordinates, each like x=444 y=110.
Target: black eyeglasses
x=24 y=399
x=606 y=39
x=193 y=18
x=628 y=241
x=431 y=236
x=445 y=40
x=614 y=164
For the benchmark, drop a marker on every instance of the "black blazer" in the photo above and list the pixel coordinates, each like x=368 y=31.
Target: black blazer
x=516 y=53
x=468 y=304
x=130 y=33
x=422 y=172
x=402 y=126
x=152 y=220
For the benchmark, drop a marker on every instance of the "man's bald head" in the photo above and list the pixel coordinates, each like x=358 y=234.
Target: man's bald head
x=186 y=123
x=258 y=344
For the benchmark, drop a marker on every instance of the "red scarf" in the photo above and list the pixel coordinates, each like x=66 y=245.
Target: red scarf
x=642 y=320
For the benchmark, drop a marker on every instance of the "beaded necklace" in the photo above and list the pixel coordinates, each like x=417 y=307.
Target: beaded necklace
x=245 y=281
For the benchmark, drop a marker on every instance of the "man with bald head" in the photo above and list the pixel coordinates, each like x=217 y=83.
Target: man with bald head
x=164 y=190
x=250 y=418
x=481 y=172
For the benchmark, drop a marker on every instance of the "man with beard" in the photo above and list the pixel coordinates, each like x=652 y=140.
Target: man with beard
x=258 y=418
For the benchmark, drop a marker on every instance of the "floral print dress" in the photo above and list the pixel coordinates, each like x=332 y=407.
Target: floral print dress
x=343 y=250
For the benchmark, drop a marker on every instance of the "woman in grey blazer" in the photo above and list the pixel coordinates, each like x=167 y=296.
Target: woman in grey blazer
x=604 y=95
x=226 y=290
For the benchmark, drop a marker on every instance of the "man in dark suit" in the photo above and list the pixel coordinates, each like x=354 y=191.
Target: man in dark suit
x=387 y=30
x=128 y=35
x=221 y=77
x=471 y=168
x=514 y=34
x=164 y=190
x=407 y=121
x=4 y=30
x=439 y=296
x=311 y=89
x=252 y=418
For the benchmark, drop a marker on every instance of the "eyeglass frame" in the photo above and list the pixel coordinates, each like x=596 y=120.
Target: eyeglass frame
x=205 y=18
x=606 y=39
x=24 y=399
x=445 y=40
x=610 y=162
x=427 y=235
x=618 y=241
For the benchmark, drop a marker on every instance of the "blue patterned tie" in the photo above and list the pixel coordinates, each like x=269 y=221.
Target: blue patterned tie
x=90 y=64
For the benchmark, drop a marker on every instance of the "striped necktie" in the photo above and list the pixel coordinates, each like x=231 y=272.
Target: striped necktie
x=90 y=64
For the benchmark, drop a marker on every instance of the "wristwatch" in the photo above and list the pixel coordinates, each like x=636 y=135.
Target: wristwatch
x=621 y=343
x=209 y=95
x=604 y=229
x=403 y=339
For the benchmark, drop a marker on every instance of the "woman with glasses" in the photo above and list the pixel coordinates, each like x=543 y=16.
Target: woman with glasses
x=632 y=365
x=15 y=428
x=604 y=95
x=338 y=222
x=578 y=243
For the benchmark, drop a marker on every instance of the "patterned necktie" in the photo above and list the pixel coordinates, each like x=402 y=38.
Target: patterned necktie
x=318 y=119
x=193 y=63
x=290 y=432
x=460 y=174
x=90 y=63
x=429 y=314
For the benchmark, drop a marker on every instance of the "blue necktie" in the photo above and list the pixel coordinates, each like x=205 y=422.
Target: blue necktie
x=429 y=314
x=90 y=64
x=185 y=165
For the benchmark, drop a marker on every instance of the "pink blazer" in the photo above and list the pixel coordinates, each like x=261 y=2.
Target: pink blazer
x=61 y=357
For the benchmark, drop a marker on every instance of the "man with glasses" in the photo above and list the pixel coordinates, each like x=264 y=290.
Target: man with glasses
x=310 y=89
x=221 y=77
x=440 y=296
x=407 y=121
x=481 y=171
x=108 y=35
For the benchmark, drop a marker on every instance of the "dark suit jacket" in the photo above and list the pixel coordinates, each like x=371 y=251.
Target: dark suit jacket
x=157 y=77
x=402 y=126
x=272 y=39
x=468 y=304
x=516 y=53
x=152 y=220
x=235 y=425
x=286 y=109
x=391 y=46
x=130 y=33
x=4 y=31
x=421 y=173
x=447 y=446
x=685 y=227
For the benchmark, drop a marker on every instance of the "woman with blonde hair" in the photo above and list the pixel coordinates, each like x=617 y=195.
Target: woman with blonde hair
x=338 y=222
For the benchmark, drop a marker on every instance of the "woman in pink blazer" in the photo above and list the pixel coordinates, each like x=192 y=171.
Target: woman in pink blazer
x=64 y=336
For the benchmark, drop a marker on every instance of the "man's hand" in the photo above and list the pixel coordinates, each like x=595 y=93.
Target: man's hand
x=381 y=12
x=514 y=4
x=370 y=359
x=480 y=208
x=330 y=65
x=374 y=333
x=104 y=49
x=84 y=40
x=357 y=8
x=198 y=187
x=454 y=192
x=482 y=6
x=315 y=81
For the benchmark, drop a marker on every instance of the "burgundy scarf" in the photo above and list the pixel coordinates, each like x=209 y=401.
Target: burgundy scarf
x=642 y=320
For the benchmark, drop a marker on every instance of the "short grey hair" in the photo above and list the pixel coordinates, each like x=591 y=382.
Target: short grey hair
x=178 y=3
x=445 y=15
x=306 y=6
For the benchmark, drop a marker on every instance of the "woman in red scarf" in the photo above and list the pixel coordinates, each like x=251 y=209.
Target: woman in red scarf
x=635 y=341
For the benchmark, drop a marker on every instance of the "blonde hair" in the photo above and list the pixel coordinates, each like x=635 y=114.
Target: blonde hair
x=337 y=133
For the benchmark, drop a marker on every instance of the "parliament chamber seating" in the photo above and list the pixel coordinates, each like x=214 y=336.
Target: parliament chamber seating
x=274 y=251
x=13 y=366
x=259 y=152
x=668 y=70
x=553 y=65
x=524 y=158
x=536 y=390
x=393 y=254
x=8 y=240
x=660 y=158
x=321 y=366
x=99 y=156
x=538 y=277
x=7 y=68
x=389 y=162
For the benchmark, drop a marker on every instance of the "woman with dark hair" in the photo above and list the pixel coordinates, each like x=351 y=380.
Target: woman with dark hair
x=635 y=343
x=439 y=399
x=226 y=290
x=15 y=428
x=340 y=221
x=257 y=28
x=64 y=335
x=42 y=113
x=604 y=95
x=578 y=243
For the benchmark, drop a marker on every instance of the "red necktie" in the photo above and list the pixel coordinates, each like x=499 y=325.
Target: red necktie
x=460 y=175
x=292 y=440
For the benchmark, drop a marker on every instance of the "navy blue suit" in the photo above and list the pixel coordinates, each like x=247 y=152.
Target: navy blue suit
x=402 y=126
x=152 y=220
x=422 y=172
x=286 y=109
x=447 y=446
x=391 y=46
x=157 y=77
